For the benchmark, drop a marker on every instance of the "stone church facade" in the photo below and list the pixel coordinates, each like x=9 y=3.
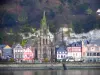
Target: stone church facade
x=45 y=42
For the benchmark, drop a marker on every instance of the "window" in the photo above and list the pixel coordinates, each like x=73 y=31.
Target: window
x=98 y=54
x=61 y=56
x=43 y=41
x=94 y=54
x=17 y=55
x=46 y=41
x=64 y=56
x=87 y=54
x=91 y=54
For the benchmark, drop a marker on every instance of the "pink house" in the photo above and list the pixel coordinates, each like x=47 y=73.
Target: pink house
x=28 y=54
x=91 y=53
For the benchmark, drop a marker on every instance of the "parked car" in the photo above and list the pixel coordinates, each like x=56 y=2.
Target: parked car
x=70 y=58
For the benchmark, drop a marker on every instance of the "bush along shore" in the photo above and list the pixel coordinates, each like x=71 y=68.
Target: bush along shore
x=50 y=66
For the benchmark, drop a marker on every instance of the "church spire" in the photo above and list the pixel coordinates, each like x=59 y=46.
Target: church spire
x=43 y=21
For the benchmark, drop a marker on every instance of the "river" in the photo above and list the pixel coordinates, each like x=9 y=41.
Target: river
x=51 y=72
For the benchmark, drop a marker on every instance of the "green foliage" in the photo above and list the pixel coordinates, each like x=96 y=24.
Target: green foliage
x=33 y=30
x=77 y=27
x=89 y=11
x=70 y=1
x=52 y=28
x=63 y=1
x=11 y=60
x=86 y=25
x=89 y=23
x=60 y=8
x=26 y=28
x=46 y=60
x=7 y=19
x=27 y=2
x=23 y=42
x=22 y=18
x=68 y=32
x=1 y=37
x=11 y=31
x=82 y=8
x=51 y=14
x=73 y=2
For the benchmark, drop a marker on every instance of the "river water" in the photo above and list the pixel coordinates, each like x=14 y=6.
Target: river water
x=51 y=72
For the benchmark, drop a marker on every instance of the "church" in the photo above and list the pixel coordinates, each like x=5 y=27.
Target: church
x=44 y=42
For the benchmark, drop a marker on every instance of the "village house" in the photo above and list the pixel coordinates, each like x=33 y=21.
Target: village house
x=61 y=53
x=7 y=52
x=1 y=49
x=91 y=52
x=18 y=52
x=0 y=52
x=29 y=54
x=75 y=50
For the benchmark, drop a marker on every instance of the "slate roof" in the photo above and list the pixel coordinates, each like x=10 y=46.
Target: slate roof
x=61 y=49
x=75 y=44
x=97 y=42
x=2 y=46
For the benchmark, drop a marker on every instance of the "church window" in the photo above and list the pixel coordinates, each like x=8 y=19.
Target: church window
x=46 y=41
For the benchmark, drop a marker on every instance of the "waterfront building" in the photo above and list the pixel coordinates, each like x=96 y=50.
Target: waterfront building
x=61 y=53
x=7 y=52
x=98 y=12
x=0 y=52
x=75 y=50
x=18 y=52
x=1 y=49
x=28 y=54
x=44 y=41
x=92 y=51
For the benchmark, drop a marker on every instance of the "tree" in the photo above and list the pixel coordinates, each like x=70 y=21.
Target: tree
x=23 y=42
x=89 y=23
x=22 y=17
x=1 y=37
x=52 y=28
x=60 y=8
x=63 y=1
x=89 y=11
x=51 y=14
x=73 y=2
x=82 y=8
x=77 y=27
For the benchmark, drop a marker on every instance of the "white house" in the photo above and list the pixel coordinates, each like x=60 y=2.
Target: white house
x=75 y=51
x=61 y=53
x=18 y=52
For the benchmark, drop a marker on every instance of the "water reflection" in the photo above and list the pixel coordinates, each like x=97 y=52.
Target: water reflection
x=6 y=73
x=52 y=72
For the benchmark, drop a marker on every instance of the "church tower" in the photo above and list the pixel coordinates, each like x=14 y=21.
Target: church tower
x=44 y=40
